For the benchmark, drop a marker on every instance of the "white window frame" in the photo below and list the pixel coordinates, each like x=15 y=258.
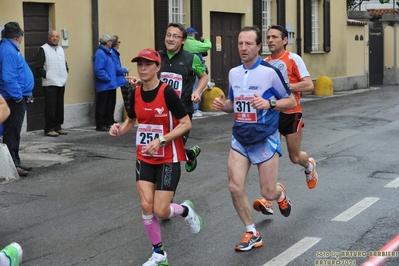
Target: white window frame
x=176 y=14
x=315 y=25
x=266 y=23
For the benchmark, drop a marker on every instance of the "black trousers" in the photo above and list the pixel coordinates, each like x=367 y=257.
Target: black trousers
x=53 y=108
x=12 y=128
x=105 y=108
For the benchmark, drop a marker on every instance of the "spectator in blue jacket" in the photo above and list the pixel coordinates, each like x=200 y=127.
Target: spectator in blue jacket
x=121 y=73
x=16 y=84
x=106 y=84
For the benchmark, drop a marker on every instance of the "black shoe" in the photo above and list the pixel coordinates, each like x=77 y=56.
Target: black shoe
x=26 y=168
x=21 y=172
x=103 y=128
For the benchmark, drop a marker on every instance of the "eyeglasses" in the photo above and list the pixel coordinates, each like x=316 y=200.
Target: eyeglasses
x=174 y=36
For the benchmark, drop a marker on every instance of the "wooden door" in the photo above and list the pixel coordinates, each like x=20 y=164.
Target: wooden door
x=225 y=28
x=36 y=27
x=376 y=54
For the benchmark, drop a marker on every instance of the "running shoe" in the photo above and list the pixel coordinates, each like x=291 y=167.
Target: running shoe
x=263 y=205
x=191 y=165
x=249 y=241
x=157 y=260
x=285 y=204
x=14 y=253
x=312 y=177
x=192 y=219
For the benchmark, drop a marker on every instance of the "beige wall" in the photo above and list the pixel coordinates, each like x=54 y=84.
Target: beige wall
x=389 y=52
x=133 y=22
x=80 y=85
x=243 y=7
x=357 y=64
x=331 y=64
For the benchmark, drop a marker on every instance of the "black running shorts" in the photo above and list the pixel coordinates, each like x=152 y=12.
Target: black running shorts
x=290 y=123
x=165 y=176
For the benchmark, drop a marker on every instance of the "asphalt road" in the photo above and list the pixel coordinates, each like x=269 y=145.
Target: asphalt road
x=79 y=206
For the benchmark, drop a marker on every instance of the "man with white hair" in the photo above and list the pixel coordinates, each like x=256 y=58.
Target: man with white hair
x=53 y=68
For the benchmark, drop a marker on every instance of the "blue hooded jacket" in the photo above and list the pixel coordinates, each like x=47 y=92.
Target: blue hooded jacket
x=104 y=69
x=16 y=77
x=120 y=71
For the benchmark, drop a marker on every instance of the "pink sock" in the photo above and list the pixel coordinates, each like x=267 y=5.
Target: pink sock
x=175 y=210
x=152 y=227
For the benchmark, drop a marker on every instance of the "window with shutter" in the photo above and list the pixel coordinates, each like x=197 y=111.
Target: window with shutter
x=281 y=13
x=176 y=13
x=327 y=26
x=266 y=23
x=161 y=16
x=317 y=26
x=307 y=25
x=196 y=16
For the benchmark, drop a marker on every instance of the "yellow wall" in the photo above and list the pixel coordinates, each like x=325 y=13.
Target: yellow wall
x=80 y=87
x=78 y=54
x=243 y=7
x=389 y=47
x=331 y=64
x=357 y=65
x=133 y=22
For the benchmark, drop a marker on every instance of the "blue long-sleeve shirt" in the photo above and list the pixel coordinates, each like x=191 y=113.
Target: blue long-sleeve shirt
x=120 y=71
x=16 y=77
x=104 y=69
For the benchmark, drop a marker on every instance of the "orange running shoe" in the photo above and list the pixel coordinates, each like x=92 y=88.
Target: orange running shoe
x=249 y=241
x=263 y=205
x=312 y=177
x=285 y=204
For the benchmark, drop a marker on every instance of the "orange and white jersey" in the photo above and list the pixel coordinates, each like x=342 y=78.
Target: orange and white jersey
x=293 y=70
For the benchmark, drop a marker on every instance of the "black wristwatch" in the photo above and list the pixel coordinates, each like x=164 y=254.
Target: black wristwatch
x=162 y=141
x=272 y=103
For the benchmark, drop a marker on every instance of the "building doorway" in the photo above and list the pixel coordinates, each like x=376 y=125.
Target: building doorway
x=36 y=28
x=225 y=28
x=376 y=55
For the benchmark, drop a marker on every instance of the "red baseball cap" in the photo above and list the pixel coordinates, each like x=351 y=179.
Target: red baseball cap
x=148 y=54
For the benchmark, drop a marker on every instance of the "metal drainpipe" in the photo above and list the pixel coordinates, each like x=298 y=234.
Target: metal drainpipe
x=298 y=28
x=94 y=24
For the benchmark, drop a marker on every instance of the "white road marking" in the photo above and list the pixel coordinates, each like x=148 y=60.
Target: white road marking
x=355 y=209
x=290 y=254
x=393 y=184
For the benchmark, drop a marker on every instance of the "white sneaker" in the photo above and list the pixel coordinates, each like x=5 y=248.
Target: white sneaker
x=157 y=259
x=197 y=113
x=192 y=219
